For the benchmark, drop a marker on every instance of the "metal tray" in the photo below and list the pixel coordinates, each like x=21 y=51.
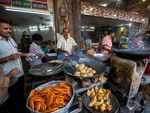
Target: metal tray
x=102 y=57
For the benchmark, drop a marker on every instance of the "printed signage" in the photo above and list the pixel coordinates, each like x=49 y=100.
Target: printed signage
x=5 y=2
x=21 y=3
x=39 y=4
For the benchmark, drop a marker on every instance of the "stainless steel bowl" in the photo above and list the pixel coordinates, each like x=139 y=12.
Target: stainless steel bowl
x=102 y=57
x=61 y=110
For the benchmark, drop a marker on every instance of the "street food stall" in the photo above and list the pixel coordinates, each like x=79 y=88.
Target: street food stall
x=93 y=86
x=87 y=80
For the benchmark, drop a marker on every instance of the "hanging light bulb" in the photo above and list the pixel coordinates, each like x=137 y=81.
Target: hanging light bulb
x=91 y=8
x=115 y=15
x=104 y=5
x=131 y=19
x=143 y=0
x=130 y=24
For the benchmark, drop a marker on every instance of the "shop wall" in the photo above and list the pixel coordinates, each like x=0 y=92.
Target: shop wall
x=134 y=29
x=18 y=30
x=67 y=14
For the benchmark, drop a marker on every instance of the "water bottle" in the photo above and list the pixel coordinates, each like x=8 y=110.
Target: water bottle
x=124 y=42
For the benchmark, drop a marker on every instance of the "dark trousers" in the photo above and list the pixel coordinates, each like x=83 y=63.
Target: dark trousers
x=17 y=96
x=4 y=107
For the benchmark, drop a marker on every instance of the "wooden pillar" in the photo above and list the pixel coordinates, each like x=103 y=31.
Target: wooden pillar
x=67 y=13
x=144 y=26
x=76 y=19
x=56 y=14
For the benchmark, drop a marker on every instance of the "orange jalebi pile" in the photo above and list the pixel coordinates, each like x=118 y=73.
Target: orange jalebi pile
x=51 y=98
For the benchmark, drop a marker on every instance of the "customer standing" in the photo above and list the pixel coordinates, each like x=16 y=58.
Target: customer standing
x=9 y=60
x=124 y=40
x=25 y=42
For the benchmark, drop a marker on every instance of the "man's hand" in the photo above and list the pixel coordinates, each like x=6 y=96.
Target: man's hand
x=90 y=52
x=66 y=52
x=23 y=54
x=13 y=72
x=40 y=55
x=4 y=83
x=13 y=57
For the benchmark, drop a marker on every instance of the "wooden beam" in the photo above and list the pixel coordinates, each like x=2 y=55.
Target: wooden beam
x=76 y=17
x=56 y=15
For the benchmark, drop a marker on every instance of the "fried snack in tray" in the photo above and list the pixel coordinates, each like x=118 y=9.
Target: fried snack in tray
x=145 y=92
x=100 y=99
x=84 y=71
x=50 y=99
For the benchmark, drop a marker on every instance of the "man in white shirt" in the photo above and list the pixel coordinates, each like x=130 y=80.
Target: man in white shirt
x=66 y=43
x=10 y=59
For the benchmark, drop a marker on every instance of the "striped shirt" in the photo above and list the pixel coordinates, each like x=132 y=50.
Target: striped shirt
x=35 y=50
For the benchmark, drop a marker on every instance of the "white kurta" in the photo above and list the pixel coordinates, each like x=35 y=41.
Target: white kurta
x=7 y=48
x=66 y=44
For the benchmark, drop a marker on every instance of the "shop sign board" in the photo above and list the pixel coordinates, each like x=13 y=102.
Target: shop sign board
x=40 y=1
x=5 y=2
x=40 y=4
x=21 y=3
